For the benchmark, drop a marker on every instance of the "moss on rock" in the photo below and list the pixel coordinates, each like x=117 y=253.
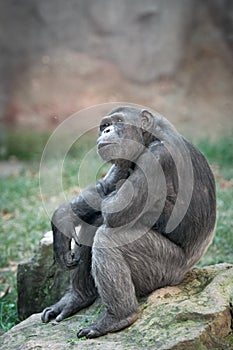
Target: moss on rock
x=195 y=315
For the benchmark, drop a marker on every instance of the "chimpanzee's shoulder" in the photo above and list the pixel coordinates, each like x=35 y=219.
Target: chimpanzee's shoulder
x=160 y=151
x=157 y=147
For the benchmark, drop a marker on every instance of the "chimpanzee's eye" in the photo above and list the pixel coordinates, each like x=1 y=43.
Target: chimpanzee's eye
x=104 y=126
x=119 y=120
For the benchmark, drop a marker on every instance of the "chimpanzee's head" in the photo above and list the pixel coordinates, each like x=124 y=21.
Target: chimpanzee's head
x=123 y=133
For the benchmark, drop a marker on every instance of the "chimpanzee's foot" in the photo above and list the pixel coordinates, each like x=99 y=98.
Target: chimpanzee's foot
x=67 y=306
x=106 y=324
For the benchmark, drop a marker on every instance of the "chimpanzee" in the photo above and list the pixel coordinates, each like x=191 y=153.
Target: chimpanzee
x=142 y=226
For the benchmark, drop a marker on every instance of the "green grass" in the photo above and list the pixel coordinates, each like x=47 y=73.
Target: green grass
x=23 y=220
x=28 y=146
x=8 y=308
x=24 y=145
x=220 y=156
x=219 y=153
x=221 y=247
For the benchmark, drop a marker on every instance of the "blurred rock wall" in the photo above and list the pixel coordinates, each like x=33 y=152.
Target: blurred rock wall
x=59 y=56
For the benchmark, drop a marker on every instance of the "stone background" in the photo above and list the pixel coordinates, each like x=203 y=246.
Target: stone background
x=172 y=55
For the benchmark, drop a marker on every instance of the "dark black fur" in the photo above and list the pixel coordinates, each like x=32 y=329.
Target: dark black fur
x=128 y=245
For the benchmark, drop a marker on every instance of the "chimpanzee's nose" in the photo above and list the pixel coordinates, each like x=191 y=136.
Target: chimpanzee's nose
x=108 y=129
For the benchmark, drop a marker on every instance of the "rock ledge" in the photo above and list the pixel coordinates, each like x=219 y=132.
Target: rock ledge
x=194 y=315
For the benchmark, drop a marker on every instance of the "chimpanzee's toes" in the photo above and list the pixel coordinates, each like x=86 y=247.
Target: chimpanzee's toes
x=89 y=332
x=48 y=314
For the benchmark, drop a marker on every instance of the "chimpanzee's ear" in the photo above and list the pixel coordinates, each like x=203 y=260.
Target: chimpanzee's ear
x=147 y=120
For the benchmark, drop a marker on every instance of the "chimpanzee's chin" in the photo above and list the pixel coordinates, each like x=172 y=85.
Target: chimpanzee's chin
x=109 y=152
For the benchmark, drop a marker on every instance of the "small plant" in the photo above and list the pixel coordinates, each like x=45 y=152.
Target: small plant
x=75 y=340
x=8 y=314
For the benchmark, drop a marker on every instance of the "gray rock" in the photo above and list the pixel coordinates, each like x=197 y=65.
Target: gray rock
x=40 y=282
x=146 y=39
x=222 y=12
x=195 y=315
x=53 y=51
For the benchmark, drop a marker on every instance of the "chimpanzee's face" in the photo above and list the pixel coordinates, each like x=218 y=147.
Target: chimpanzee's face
x=120 y=137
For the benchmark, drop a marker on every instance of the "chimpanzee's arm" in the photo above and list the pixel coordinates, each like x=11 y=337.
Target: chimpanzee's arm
x=142 y=195
x=84 y=208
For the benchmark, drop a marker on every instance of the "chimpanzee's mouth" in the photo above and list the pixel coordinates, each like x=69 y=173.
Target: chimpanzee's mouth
x=103 y=144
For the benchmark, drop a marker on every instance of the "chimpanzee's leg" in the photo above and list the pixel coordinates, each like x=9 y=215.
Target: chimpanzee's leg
x=115 y=286
x=120 y=273
x=82 y=292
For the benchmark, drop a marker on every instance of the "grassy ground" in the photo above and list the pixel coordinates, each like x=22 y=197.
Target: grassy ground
x=23 y=220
